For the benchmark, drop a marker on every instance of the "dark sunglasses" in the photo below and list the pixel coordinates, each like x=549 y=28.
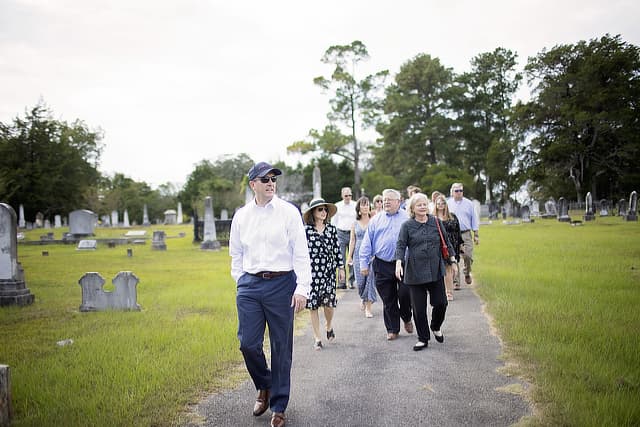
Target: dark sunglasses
x=457 y=191
x=322 y=209
x=266 y=179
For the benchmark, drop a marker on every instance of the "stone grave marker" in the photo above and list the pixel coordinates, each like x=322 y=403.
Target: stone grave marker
x=209 y=241
x=604 y=207
x=87 y=245
x=82 y=222
x=224 y=215
x=126 y=219
x=317 y=182
x=114 y=218
x=622 y=208
x=526 y=214
x=563 y=210
x=535 y=208
x=6 y=410
x=57 y=221
x=588 y=208
x=632 y=212
x=179 y=214
x=170 y=217
x=47 y=223
x=124 y=296
x=39 y=220
x=21 y=222
x=145 y=217
x=158 y=243
x=13 y=290
x=550 y=209
x=106 y=221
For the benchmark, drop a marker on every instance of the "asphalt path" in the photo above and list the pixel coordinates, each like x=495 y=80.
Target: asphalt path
x=361 y=379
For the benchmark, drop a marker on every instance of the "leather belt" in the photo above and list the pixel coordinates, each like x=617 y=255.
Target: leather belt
x=270 y=274
x=466 y=231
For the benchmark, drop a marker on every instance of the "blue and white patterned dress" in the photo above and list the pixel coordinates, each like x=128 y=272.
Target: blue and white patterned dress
x=325 y=255
x=366 y=284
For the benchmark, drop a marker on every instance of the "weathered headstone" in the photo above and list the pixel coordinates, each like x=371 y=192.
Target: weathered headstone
x=317 y=182
x=526 y=214
x=604 y=207
x=106 y=221
x=170 y=217
x=114 y=218
x=13 y=290
x=57 y=221
x=632 y=213
x=588 y=208
x=535 y=208
x=563 y=210
x=476 y=208
x=47 y=223
x=622 y=208
x=224 y=215
x=210 y=241
x=87 y=245
x=21 y=221
x=157 y=242
x=124 y=296
x=179 y=214
x=39 y=220
x=145 y=217
x=550 y=210
x=125 y=220
x=6 y=410
x=82 y=222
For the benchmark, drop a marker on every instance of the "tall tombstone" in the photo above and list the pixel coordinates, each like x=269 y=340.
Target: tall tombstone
x=476 y=209
x=224 y=214
x=563 y=210
x=622 y=208
x=550 y=209
x=13 y=290
x=114 y=218
x=604 y=207
x=210 y=241
x=317 y=182
x=21 y=222
x=157 y=242
x=535 y=208
x=632 y=213
x=57 y=221
x=39 y=220
x=82 y=222
x=588 y=208
x=145 y=217
x=179 y=215
x=125 y=220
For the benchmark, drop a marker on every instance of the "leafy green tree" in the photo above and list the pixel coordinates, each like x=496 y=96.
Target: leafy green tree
x=583 y=118
x=484 y=108
x=419 y=128
x=47 y=165
x=355 y=105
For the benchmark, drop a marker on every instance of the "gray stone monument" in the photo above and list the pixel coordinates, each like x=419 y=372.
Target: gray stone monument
x=604 y=207
x=145 y=217
x=170 y=217
x=526 y=214
x=550 y=209
x=317 y=182
x=21 y=222
x=57 y=221
x=588 y=208
x=622 y=208
x=82 y=222
x=563 y=210
x=209 y=241
x=157 y=242
x=632 y=213
x=87 y=245
x=224 y=214
x=114 y=218
x=125 y=220
x=124 y=296
x=179 y=215
x=47 y=223
x=39 y=220
x=535 y=208
x=13 y=290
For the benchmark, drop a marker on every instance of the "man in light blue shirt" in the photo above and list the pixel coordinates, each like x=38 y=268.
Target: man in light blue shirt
x=379 y=244
x=464 y=210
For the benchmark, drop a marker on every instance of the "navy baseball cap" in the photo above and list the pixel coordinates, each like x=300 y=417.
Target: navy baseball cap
x=261 y=169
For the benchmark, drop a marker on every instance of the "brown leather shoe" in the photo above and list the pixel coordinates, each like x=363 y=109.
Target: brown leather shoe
x=391 y=336
x=277 y=419
x=262 y=402
x=408 y=326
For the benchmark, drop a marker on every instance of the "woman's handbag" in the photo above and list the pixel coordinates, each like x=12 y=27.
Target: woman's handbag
x=443 y=245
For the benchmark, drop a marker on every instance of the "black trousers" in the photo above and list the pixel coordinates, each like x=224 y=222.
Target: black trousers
x=396 y=300
x=438 y=298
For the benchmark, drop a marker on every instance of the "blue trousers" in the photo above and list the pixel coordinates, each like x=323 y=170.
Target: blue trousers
x=260 y=303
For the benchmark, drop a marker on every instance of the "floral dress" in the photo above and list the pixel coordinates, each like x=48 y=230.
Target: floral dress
x=325 y=255
x=452 y=228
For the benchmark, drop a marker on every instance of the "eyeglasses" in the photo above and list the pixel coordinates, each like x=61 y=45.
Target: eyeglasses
x=457 y=191
x=378 y=201
x=322 y=209
x=347 y=195
x=266 y=179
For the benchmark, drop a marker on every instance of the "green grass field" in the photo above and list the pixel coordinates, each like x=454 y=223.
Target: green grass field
x=565 y=301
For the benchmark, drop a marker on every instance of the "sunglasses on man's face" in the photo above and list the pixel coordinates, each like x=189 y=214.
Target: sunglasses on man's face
x=457 y=191
x=266 y=179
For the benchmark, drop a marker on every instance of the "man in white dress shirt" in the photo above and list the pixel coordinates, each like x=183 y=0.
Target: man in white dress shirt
x=343 y=220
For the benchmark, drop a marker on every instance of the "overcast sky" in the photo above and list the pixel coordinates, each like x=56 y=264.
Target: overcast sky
x=174 y=82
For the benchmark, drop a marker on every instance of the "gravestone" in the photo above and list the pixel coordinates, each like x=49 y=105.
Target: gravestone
x=535 y=208
x=209 y=241
x=125 y=220
x=157 y=242
x=588 y=208
x=123 y=297
x=13 y=290
x=114 y=218
x=550 y=209
x=476 y=209
x=106 y=221
x=6 y=410
x=47 y=224
x=39 y=220
x=179 y=214
x=145 y=217
x=57 y=221
x=21 y=221
x=526 y=215
x=170 y=217
x=632 y=213
x=224 y=215
x=563 y=210
x=87 y=245
x=604 y=207
x=82 y=223
x=317 y=182
x=622 y=208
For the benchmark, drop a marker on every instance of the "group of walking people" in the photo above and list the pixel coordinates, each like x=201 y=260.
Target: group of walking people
x=403 y=251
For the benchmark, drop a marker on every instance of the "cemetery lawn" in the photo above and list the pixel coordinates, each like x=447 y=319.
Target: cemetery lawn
x=566 y=303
